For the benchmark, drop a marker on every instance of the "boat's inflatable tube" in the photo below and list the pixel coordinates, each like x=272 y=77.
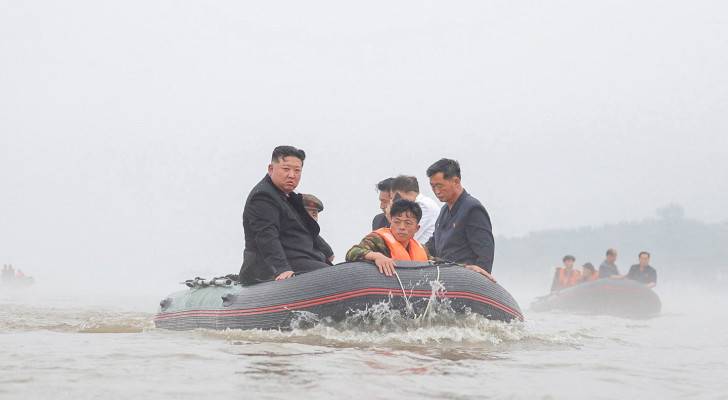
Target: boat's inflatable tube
x=17 y=283
x=333 y=292
x=618 y=297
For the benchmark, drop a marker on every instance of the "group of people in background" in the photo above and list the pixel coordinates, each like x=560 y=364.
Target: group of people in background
x=567 y=276
x=282 y=235
x=10 y=274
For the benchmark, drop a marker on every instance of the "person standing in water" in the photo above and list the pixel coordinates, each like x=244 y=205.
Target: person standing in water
x=463 y=232
x=6 y=273
x=281 y=238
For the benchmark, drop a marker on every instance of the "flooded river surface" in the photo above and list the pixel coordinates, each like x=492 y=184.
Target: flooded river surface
x=75 y=346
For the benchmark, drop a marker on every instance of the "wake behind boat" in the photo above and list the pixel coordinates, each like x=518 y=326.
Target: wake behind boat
x=335 y=293
x=618 y=297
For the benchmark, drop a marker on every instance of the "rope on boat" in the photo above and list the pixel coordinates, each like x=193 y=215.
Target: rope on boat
x=202 y=282
x=406 y=298
x=429 y=301
x=404 y=293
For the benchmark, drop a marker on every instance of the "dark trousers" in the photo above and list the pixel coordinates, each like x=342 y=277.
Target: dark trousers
x=304 y=265
x=252 y=272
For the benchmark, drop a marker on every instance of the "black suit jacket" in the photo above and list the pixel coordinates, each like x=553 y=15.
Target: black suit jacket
x=379 y=221
x=278 y=231
x=464 y=234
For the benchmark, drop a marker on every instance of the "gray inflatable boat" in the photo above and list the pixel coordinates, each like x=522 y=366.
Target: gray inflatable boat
x=335 y=293
x=618 y=297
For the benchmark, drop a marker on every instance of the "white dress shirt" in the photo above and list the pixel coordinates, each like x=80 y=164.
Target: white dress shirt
x=430 y=212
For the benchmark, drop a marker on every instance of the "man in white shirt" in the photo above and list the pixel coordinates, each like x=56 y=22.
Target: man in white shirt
x=406 y=187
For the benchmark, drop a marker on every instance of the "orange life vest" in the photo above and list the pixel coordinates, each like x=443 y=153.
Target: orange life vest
x=413 y=252
x=568 y=280
x=594 y=276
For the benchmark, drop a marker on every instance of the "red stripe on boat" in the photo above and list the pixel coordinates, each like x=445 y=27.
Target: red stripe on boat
x=329 y=299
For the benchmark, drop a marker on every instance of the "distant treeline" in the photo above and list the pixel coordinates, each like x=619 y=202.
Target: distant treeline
x=678 y=245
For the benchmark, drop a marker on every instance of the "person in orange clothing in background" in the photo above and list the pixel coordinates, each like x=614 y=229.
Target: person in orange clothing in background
x=566 y=276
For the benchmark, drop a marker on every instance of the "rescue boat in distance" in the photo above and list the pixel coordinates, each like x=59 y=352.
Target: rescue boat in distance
x=617 y=297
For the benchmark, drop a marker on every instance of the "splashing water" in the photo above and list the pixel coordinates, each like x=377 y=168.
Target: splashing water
x=381 y=324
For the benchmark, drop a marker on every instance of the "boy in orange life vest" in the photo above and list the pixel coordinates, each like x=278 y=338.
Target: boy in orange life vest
x=385 y=245
x=566 y=276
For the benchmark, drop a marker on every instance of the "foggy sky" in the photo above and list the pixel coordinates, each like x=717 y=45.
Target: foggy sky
x=130 y=133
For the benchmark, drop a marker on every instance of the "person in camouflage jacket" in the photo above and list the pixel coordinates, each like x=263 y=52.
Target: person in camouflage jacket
x=374 y=248
x=371 y=243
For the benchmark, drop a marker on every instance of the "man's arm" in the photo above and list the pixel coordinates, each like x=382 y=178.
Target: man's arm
x=430 y=246
x=653 y=280
x=325 y=248
x=480 y=238
x=370 y=243
x=264 y=220
x=632 y=272
x=373 y=248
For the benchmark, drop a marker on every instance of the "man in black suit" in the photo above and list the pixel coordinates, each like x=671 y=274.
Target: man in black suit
x=463 y=232
x=281 y=238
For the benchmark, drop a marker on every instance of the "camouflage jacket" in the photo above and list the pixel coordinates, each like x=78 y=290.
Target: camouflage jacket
x=372 y=242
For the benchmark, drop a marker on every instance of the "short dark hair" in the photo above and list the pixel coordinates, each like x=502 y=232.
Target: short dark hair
x=405 y=183
x=400 y=207
x=644 y=252
x=568 y=257
x=385 y=185
x=589 y=266
x=448 y=167
x=611 y=252
x=282 y=152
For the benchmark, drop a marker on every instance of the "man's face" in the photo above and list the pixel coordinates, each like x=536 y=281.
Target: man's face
x=588 y=273
x=611 y=258
x=286 y=173
x=569 y=263
x=385 y=198
x=313 y=212
x=404 y=226
x=644 y=260
x=444 y=189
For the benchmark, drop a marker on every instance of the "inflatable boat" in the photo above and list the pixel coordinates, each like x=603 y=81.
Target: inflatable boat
x=334 y=293
x=618 y=297
x=17 y=283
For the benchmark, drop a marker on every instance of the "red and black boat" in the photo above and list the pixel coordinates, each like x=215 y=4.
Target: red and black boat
x=333 y=293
